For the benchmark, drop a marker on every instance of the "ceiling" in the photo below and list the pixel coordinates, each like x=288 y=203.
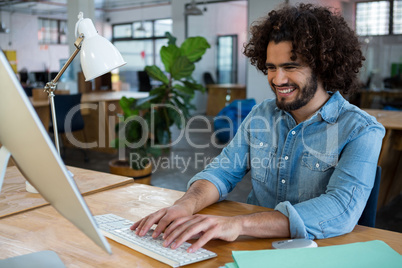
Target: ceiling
x=51 y=7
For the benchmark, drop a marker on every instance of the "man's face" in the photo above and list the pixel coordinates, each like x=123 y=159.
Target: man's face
x=293 y=82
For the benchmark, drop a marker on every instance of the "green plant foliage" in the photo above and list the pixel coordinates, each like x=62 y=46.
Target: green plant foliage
x=147 y=121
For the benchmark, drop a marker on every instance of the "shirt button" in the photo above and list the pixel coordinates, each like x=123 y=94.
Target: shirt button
x=283 y=181
x=317 y=165
x=261 y=144
x=286 y=157
x=293 y=132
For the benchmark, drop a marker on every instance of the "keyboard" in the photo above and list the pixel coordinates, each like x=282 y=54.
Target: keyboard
x=118 y=229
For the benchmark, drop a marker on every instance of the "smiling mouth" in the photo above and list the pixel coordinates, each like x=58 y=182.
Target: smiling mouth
x=285 y=90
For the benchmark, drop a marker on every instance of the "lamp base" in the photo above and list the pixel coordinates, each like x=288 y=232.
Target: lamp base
x=30 y=188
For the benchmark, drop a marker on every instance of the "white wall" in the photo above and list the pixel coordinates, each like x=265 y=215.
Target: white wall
x=229 y=18
x=257 y=83
x=220 y=19
x=23 y=37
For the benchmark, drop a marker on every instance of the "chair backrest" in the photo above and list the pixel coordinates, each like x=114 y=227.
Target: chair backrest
x=144 y=82
x=208 y=79
x=369 y=213
x=63 y=104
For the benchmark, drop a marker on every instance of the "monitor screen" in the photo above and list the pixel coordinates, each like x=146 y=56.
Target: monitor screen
x=23 y=135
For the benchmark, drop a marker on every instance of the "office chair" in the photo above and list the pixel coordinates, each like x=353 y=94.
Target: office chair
x=369 y=213
x=63 y=104
x=143 y=81
x=208 y=79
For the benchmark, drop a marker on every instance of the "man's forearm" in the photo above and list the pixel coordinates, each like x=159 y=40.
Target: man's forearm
x=264 y=224
x=201 y=194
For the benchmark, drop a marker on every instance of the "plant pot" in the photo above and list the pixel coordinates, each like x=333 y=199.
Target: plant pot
x=122 y=168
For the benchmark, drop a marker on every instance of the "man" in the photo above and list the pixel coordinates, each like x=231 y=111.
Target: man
x=311 y=154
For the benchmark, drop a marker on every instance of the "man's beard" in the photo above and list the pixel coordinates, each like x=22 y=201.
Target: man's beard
x=305 y=95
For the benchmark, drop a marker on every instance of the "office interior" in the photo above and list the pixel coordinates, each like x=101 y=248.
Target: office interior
x=37 y=63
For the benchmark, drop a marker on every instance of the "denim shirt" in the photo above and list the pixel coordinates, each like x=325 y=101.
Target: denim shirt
x=319 y=173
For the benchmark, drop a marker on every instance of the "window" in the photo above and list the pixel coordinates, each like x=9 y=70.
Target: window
x=379 y=17
x=139 y=43
x=227 y=59
x=397 y=17
x=51 y=31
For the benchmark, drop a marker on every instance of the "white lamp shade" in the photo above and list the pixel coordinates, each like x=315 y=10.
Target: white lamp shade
x=98 y=55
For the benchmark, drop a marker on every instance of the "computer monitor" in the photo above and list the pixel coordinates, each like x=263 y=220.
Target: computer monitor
x=24 y=138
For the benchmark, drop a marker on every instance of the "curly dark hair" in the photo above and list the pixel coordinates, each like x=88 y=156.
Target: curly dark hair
x=320 y=37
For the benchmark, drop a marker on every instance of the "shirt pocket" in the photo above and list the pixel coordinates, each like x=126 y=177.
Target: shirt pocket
x=317 y=170
x=319 y=162
x=261 y=159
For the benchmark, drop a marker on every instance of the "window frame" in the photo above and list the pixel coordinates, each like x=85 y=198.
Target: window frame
x=59 y=22
x=132 y=30
x=390 y=19
x=132 y=38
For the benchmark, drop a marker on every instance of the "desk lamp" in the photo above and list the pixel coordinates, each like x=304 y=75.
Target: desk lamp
x=98 y=56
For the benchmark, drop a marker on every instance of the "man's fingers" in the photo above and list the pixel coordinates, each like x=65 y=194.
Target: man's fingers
x=207 y=236
x=176 y=225
x=185 y=231
x=147 y=222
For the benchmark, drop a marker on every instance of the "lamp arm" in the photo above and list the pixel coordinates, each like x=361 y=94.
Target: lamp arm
x=51 y=86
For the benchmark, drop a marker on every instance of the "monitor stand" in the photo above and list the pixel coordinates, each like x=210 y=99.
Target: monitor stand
x=39 y=259
x=4 y=158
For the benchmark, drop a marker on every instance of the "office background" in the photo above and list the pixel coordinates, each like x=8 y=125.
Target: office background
x=220 y=18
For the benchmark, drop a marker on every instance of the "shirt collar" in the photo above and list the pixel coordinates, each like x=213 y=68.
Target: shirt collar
x=331 y=109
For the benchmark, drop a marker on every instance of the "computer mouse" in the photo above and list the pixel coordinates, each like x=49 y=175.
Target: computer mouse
x=294 y=243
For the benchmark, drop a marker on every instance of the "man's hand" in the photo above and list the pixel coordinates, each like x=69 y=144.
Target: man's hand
x=162 y=217
x=203 y=227
x=200 y=195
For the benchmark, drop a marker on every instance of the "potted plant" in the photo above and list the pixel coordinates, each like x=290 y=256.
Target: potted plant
x=144 y=128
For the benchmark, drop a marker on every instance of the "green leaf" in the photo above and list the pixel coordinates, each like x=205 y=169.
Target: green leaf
x=176 y=116
x=171 y=39
x=163 y=136
x=169 y=54
x=157 y=74
x=182 y=68
x=194 y=48
x=116 y=143
x=184 y=109
x=194 y=86
x=184 y=89
x=126 y=105
x=158 y=90
x=145 y=103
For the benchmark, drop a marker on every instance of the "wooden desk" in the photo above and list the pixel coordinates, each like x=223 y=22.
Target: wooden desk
x=390 y=158
x=15 y=199
x=110 y=96
x=220 y=95
x=47 y=230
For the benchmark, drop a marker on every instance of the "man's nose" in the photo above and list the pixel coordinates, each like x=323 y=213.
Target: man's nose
x=280 y=77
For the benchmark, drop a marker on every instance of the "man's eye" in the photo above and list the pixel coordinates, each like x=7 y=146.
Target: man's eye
x=271 y=68
x=289 y=68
